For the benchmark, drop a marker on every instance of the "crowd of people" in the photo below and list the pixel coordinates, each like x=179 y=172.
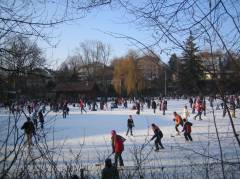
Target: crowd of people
x=35 y=110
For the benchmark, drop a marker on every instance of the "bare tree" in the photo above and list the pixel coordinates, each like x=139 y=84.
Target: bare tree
x=19 y=58
x=37 y=19
x=94 y=56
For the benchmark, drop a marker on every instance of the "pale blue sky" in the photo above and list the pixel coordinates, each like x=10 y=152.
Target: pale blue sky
x=70 y=35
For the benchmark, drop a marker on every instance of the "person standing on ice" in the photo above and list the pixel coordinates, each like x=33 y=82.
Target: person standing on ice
x=191 y=102
x=178 y=121
x=117 y=147
x=154 y=106
x=130 y=125
x=199 y=108
x=185 y=113
x=138 y=107
x=29 y=130
x=64 y=111
x=232 y=106
x=109 y=171
x=187 y=129
x=158 y=135
x=194 y=106
x=164 y=106
x=81 y=104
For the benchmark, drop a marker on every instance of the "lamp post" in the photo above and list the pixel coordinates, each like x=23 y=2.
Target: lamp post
x=165 y=82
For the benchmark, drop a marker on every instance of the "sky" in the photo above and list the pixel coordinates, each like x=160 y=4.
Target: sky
x=92 y=27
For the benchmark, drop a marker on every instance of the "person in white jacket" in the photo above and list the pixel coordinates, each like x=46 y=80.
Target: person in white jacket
x=185 y=113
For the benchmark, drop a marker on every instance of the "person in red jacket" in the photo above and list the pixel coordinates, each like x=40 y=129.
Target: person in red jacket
x=81 y=103
x=199 y=108
x=187 y=129
x=117 y=147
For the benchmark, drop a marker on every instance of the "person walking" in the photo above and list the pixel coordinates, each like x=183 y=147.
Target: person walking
x=158 y=135
x=154 y=106
x=117 y=147
x=130 y=125
x=29 y=130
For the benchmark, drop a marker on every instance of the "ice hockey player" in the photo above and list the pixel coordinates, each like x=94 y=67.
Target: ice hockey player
x=29 y=130
x=187 y=129
x=178 y=121
x=158 y=135
x=117 y=147
x=130 y=125
x=109 y=171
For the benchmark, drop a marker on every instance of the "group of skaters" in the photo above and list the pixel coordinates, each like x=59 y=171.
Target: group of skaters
x=93 y=106
x=151 y=103
x=197 y=106
x=231 y=102
x=33 y=111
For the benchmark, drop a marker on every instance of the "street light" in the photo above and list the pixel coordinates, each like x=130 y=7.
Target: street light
x=165 y=84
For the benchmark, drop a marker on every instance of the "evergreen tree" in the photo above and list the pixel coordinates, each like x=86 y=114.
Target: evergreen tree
x=174 y=65
x=191 y=75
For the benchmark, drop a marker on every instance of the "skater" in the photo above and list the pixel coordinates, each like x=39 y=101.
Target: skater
x=185 y=113
x=125 y=104
x=109 y=171
x=64 y=111
x=148 y=103
x=138 y=107
x=191 y=102
x=81 y=103
x=158 y=135
x=41 y=118
x=199 y=109
x=164 y=106
x=187 y=130
x=130 y=125
x=194 y=106
x=178 y=121
x=204 y=107
x=117 y=147
x=154 y=106
x=232 y=107
x=29 y=131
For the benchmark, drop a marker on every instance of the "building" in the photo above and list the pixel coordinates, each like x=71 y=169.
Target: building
x=73 y=91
